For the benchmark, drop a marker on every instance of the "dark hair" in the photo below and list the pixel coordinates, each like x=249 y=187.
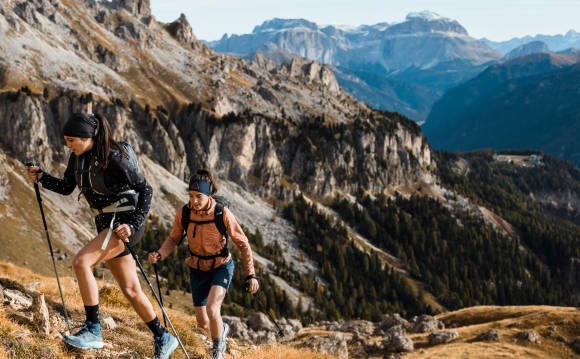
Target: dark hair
x=204 y=174
x=104 y=141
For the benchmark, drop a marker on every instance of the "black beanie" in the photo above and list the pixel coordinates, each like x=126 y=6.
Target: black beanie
x=81 y=125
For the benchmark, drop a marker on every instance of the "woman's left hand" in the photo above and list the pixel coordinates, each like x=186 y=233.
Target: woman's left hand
x=123 y=232
x=253 y=285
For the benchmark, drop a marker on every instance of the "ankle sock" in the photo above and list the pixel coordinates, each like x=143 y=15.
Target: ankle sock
x=92 y=313
x=156 y=327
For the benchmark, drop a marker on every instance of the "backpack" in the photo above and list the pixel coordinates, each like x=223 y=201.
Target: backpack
x=96 y=178
x=221 y=203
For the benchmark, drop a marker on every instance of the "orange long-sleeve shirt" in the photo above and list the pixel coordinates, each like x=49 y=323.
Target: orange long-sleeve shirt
x=208 y=240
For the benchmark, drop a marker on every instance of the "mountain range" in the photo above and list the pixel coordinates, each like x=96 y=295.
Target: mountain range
x=350 y=212
x=400 y=67
x=554 y=42
x=528 y=102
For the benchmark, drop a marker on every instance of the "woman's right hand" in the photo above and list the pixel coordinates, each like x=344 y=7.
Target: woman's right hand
x=154 y=257
x=34 y=173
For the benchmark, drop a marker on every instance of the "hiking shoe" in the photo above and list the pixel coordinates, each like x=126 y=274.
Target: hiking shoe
x=219 y=344
x=164 y=345
x=216 y=354
x=222 y=346
x=89 y=337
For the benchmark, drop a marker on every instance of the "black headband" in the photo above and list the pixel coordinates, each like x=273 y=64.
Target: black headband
x=81 y=125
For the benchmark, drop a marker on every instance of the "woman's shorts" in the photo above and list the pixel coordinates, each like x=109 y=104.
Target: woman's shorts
x=202 y=281
x=104 y=220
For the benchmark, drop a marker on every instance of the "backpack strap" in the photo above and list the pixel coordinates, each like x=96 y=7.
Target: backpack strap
x=219 y=223
x=185 y=212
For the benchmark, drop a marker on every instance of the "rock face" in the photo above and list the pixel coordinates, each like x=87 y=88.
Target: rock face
x=181 y=30
x=141 y=8
x=270 y=129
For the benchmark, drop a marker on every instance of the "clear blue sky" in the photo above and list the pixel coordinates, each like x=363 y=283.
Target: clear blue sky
x=494 y=19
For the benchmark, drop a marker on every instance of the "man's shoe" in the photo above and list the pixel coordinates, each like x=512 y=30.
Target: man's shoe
x=222 y=346
x=89 y=337
x=219 y=344
x=164 y=345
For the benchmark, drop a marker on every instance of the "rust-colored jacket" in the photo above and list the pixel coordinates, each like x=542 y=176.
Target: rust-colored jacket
x=208 y=240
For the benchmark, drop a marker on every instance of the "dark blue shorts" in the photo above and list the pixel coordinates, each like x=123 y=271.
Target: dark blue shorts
x=202 y=281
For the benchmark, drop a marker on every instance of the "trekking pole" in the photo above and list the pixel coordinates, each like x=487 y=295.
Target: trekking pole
x=156 y=297
x=262 y=309
x=159 y=290
x=39 y=199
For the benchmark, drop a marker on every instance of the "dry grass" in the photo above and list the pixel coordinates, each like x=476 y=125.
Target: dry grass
x=507 y=321
x=130 y=338
x=282 y=352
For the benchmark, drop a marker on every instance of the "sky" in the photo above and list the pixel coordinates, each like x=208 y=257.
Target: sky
x=494 y=19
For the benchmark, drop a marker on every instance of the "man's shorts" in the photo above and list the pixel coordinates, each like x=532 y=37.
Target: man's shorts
x=202 y=281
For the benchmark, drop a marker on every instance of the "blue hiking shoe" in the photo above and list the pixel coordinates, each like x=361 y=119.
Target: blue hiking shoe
x=164 y=345
x=89 y=337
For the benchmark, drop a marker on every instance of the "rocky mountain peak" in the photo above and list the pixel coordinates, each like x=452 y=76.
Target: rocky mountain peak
x=526 y=49
x=139 y=8
x=427 y=21
x=280 y=24
x=181 y=30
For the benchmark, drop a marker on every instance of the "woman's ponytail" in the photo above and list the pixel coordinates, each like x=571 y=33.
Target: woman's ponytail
x=104 y=141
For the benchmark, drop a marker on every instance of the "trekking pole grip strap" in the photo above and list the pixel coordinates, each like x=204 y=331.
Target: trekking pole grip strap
x=251 y=276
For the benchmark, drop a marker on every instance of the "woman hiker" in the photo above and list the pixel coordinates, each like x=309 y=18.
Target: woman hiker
x=108 y=177
x=208 y=226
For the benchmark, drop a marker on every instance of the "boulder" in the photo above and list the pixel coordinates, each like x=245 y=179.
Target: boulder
x=530 y=336
x=238 y=329
x=426 y=323
x=363 y=327
x=260 y=321
x=442 y=337
x=108 y=322
x=17 y=300
x=396 y=340
x=388 y=321
x=41 y=316
x=331 y=345
x=490 y=336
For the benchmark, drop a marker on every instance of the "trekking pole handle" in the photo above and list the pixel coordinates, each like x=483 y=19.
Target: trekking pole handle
x=36 y=188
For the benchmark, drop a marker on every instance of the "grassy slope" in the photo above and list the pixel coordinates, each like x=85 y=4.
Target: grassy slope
x=131 y=336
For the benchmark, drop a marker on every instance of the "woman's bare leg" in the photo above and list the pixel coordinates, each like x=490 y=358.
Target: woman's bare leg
x=124 y=271
x=90 y=256
x=214 y=303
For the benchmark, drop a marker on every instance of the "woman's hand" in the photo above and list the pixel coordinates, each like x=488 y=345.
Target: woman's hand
x=252 y=285
x=154 y=257
x=34 y=173
x=123 y=232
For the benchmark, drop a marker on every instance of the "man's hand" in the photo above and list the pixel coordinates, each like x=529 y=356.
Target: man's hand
x=154 y=257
